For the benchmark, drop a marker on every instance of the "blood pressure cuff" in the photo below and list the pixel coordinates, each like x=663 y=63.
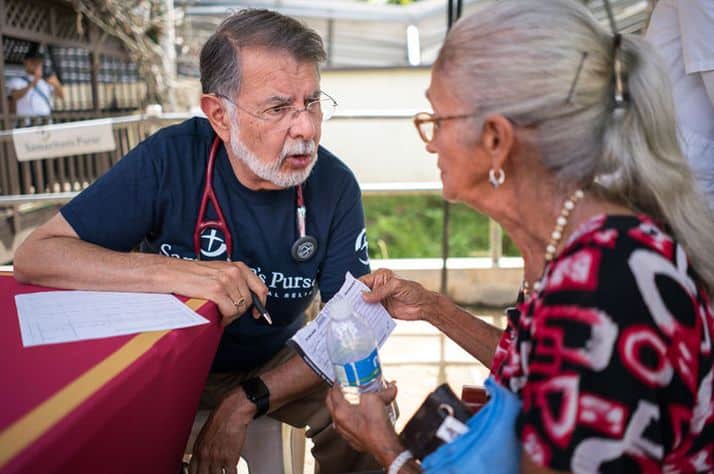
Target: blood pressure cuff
x=490 y=444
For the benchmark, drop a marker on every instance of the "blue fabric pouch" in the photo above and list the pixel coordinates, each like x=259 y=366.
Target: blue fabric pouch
x=490 y=445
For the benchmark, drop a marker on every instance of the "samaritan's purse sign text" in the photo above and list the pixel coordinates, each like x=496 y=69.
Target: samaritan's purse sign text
x=52 y=141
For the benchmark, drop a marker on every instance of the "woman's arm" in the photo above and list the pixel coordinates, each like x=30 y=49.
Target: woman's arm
x=409 y=301
x=473 y=334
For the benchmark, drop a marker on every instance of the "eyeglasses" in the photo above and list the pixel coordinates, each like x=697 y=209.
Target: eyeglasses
x=427 y=124
x=320 y=108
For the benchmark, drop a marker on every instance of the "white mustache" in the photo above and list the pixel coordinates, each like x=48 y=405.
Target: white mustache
x=298 y=147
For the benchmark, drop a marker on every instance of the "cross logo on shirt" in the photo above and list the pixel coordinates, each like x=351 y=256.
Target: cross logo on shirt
x=216 y=246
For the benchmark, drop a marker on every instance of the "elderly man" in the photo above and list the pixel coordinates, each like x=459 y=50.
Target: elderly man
x=246 y=202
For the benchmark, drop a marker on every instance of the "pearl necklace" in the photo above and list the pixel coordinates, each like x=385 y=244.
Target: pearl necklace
x=560 y=223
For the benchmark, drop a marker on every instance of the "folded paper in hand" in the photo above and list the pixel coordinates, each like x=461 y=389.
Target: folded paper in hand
x=310 y=341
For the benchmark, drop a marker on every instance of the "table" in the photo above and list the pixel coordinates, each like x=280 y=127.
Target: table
x=123 y=404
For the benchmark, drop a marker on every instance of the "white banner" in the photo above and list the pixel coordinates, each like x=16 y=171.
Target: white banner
x=74 y=138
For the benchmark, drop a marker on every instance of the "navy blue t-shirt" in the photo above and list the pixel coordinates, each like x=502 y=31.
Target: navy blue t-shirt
x=151 y=199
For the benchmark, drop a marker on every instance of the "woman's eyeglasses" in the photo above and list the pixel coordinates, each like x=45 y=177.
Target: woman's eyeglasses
x=427 y=124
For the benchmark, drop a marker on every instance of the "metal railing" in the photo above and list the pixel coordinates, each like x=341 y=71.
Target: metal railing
x=60 y=179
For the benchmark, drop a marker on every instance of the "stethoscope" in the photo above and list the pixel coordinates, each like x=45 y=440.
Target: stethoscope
x=302 y=249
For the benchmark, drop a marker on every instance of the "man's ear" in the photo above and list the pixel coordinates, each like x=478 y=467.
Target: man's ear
x=498 y=139
x=217 y=115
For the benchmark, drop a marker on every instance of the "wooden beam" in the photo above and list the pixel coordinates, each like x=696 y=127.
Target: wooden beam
x=33 y=36
x=94 y=35
x=53 y=21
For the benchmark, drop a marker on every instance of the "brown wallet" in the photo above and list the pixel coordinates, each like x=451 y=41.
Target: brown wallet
x=419 y=434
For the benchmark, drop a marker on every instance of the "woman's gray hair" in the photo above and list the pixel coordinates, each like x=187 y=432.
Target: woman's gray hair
x=220 y=61
x=549 y=65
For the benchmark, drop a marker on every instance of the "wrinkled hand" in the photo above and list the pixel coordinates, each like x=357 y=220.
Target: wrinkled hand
x=219 y=444
x=403 y=299
x=228 y=284
x=366 y=427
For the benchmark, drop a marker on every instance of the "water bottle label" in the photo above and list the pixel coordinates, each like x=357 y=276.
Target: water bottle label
x=361 y=372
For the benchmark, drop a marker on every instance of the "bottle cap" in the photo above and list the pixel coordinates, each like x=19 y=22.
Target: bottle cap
x=339 y=308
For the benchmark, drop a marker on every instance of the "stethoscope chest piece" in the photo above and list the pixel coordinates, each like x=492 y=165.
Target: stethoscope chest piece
x=304 y=248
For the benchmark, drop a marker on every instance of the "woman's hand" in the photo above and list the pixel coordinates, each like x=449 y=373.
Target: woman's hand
x=366 y=426
x=404 y=299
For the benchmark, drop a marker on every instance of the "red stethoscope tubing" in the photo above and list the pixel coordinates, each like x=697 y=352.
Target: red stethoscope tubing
x=209 y=195
x=221 y=224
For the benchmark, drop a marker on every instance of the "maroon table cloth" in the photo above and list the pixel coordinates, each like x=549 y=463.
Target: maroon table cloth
x=123 y=404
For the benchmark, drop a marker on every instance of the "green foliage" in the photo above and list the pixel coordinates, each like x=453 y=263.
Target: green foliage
x=411 y=227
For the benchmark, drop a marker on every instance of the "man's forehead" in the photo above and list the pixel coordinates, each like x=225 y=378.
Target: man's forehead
x=276 y=72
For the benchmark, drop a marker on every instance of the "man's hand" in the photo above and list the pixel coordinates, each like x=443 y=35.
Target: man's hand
x=228 y=284
x=53 y=81
x=37 y=73
x=366 y=426
x=403 y=299
x=57 y=88
x=220 y=442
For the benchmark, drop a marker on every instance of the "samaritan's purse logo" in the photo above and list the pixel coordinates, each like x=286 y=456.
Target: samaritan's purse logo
x=361 y=247
x=212 y=243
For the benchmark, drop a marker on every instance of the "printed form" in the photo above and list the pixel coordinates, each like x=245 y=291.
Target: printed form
x=310 y=341
x=65 y=316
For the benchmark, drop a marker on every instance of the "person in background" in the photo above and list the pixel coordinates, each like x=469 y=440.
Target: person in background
x=682 y=32
x=32 y=94
x=564 y=133
x=273 y=187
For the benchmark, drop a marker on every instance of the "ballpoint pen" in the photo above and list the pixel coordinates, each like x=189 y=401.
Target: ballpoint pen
x=259 y=306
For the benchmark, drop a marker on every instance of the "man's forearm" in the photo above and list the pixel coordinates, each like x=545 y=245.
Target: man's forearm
x=67 y=262
x=18 y=94
x=289 y=381
x=285 y=383
x=471 y=333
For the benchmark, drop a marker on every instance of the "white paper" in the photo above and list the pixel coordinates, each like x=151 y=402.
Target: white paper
x=65 y=316
x=311 y=339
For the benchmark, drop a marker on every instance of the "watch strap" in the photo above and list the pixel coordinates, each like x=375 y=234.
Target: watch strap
x=257 y=392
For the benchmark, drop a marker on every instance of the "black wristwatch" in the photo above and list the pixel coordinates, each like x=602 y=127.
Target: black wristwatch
x=258 y=393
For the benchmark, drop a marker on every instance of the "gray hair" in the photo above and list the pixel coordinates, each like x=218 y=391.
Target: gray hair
x=549 y=65
x=220 y=61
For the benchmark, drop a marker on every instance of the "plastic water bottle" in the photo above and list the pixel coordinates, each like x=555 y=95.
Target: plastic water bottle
x=353 y=352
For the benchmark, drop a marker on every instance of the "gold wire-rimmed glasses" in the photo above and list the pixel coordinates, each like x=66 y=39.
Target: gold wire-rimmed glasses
x=426 y=123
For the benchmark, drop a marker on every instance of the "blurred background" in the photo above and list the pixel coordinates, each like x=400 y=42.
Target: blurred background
x=116 y=58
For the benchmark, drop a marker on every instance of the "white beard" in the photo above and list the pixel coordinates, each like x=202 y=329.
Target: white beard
x=271 y=171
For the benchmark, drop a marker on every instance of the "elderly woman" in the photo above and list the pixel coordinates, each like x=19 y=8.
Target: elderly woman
x=564 y=134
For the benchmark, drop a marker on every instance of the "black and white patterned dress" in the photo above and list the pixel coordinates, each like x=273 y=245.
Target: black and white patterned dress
x=613 y=357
